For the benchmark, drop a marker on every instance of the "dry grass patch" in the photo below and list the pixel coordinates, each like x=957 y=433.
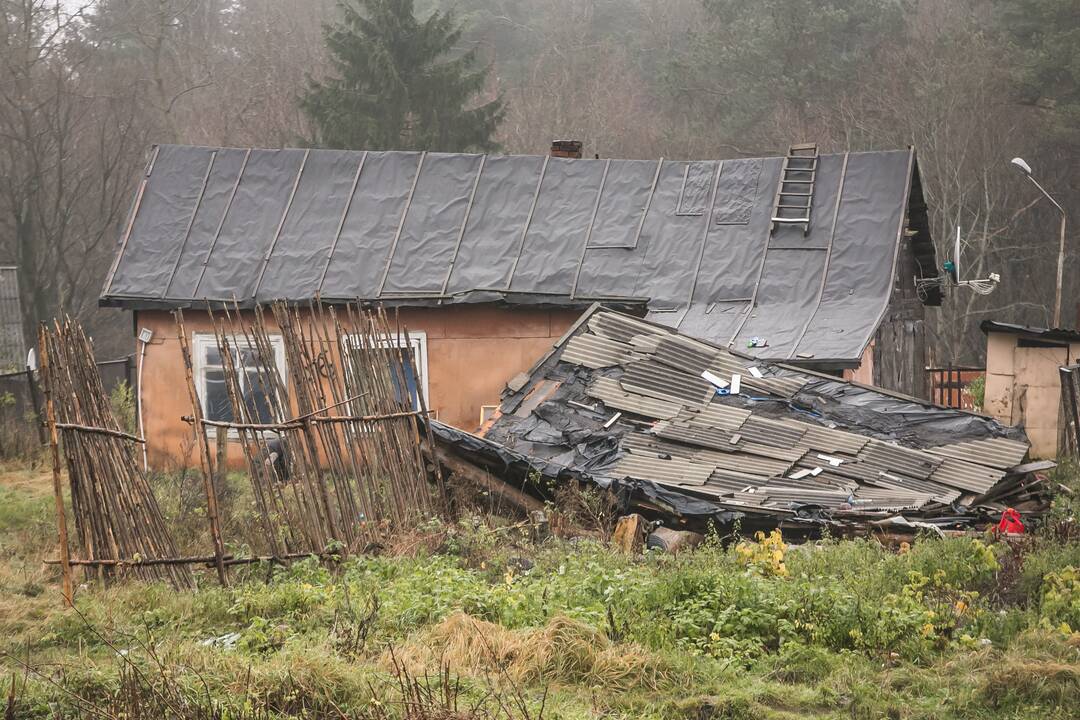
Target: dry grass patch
x=1042 y=667
x=564 y=651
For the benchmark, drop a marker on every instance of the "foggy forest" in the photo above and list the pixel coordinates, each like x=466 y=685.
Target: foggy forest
x=87 y=88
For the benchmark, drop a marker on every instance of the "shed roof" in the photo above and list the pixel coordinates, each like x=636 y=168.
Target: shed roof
x=688 y=240
x=1061 y=334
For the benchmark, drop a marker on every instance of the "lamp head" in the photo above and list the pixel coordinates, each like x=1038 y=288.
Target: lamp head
x=1022 y=165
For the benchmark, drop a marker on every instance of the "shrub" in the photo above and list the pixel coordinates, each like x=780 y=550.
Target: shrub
x=1061 y=599
x=122 y=402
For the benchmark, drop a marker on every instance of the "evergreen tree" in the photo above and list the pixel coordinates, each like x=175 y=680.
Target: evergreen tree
x=1046 y=34
x=399 y=84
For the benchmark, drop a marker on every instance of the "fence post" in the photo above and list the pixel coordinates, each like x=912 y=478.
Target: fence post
x=58 y=488
x=204 y=454
x=31 y=389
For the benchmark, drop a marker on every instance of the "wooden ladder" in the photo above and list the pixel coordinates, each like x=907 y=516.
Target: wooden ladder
x=795 y=191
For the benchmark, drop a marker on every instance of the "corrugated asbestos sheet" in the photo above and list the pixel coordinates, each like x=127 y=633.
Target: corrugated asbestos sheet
x=595 y=351
x=666 y=471
x=657 y=381
x=413 y=228
x=669 y=417
x=612 y=394
x=889 y=457
x=1000 y=453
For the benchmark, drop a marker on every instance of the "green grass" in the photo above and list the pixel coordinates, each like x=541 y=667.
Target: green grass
x=955 y=628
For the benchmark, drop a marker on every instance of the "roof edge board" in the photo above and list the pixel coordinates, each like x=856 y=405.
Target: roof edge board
x=281 y=223
x=828 y=259
x=704 y=241
x=401 y=224
x=906 y=198
x=341 y=223
x=221 y=223
x=464 y=224
x=132 y=214
x=190 y=224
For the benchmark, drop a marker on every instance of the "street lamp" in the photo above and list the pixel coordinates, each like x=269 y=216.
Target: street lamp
x=1026 y=169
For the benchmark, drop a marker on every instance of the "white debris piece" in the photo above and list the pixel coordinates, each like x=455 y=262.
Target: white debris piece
x=714 y=379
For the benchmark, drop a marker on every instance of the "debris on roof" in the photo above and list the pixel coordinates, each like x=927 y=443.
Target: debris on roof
x=691 y=242
x=628 y=404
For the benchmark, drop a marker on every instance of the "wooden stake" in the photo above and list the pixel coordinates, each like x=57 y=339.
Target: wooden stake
x=204 y=455
x=58 y=489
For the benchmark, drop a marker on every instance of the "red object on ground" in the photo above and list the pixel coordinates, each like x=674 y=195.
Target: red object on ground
x=1010 y=522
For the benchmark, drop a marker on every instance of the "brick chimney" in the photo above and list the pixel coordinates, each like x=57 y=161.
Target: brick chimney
x=566 y=148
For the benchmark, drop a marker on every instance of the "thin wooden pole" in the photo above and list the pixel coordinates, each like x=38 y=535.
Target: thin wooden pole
x=204 y=455
x=35 y=403
x=58 y=489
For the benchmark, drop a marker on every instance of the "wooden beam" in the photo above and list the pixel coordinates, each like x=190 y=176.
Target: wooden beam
x=482 y=478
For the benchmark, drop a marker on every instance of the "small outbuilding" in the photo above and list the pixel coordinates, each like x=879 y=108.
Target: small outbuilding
x=1023 y=384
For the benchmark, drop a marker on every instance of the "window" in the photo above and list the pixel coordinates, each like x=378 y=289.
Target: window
x=210 y=377
x=415 y=345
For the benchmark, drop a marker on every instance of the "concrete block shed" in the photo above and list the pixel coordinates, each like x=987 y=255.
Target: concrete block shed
x=490 y=259
x=1023 y=385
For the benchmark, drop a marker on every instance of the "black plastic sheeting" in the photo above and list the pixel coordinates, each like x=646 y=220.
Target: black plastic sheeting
x=516 y=469
x=887 y=417
x=691 y=240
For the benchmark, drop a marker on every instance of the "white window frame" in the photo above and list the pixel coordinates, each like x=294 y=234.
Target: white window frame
x=417 y=342
x=201 y=342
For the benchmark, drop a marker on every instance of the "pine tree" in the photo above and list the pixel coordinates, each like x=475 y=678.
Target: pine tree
x=400 y=83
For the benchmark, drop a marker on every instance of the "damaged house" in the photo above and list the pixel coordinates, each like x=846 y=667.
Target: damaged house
x=807 y=259
x=680 y=427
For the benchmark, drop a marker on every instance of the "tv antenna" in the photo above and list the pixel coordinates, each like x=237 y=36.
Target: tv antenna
x=953 y=276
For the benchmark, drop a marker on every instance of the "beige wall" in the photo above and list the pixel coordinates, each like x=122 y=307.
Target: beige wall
x=1023 y=387
x=471 y=353
x=865 y=372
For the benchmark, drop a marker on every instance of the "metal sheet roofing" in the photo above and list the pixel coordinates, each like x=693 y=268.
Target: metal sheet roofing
x=692 y=240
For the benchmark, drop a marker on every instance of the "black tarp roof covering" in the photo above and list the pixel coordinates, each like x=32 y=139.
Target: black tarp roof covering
x=690 y=240
x=627 y=404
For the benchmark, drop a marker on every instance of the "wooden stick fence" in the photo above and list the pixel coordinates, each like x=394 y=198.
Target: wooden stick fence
x=323 y=482
x=116 y=514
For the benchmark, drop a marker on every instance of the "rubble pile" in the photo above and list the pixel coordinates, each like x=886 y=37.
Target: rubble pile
x=681 y=427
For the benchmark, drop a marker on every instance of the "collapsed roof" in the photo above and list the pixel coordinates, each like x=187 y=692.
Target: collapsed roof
x=690 y=426
x=691 y=241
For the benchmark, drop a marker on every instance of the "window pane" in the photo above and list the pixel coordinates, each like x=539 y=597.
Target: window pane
x=213 y=356
x=217 y=397
x=247 y=358
x=398 y=370
x=255 y=399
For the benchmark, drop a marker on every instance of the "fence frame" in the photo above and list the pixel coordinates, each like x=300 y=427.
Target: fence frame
x=946 y=384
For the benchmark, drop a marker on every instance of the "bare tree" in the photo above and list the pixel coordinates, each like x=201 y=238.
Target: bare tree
x=66 y=158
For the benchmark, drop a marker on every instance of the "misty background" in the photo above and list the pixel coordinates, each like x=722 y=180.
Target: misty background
x=86 y=88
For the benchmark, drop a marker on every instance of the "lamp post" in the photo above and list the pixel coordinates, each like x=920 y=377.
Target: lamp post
x=1026 y=169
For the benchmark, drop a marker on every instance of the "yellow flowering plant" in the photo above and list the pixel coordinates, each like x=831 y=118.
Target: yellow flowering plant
x=764 y=555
